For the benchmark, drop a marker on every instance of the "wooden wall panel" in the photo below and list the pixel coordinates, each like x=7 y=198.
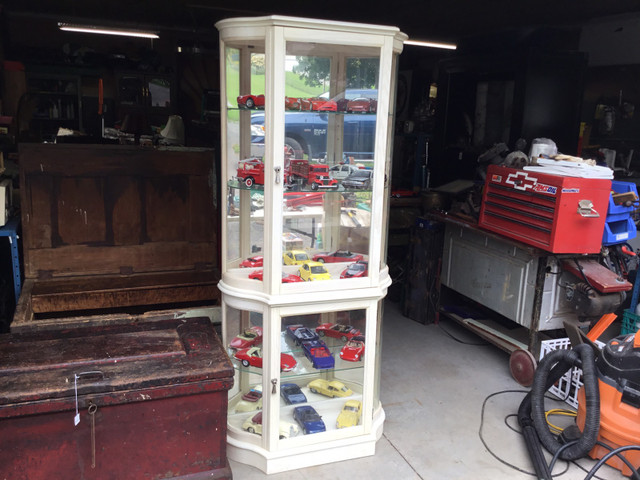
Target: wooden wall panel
x=80 y=213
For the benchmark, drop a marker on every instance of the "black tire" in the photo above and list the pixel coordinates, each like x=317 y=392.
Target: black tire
x=313 y=390
x=314 y=186
x=251 y=430
x=293 y=148
x=245 y=363
x=344 y=338
x=321 y=333
x=249 y=182
x=321 y=260
x=250 y=103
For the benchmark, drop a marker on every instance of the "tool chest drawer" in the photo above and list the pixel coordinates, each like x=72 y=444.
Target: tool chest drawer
x=555 y=213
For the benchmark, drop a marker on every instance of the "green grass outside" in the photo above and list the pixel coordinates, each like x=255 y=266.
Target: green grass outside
x=294 y=87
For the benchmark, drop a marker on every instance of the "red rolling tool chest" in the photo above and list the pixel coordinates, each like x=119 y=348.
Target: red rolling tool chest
x=151 y=399
x=556 y=213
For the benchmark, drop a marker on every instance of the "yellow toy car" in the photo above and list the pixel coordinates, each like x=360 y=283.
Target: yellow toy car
x=350 y=414
x=313 y=271
x=295 y=257
x=332 y=388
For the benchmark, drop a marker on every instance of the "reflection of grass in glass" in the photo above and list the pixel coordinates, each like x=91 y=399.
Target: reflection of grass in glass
x=294 y=87
x=236 y=148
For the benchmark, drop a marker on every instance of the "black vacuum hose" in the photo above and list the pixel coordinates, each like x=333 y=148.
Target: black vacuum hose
x=580 y=356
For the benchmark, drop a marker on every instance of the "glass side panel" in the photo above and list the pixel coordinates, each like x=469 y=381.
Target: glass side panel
x=327 y=381
x=244 y=346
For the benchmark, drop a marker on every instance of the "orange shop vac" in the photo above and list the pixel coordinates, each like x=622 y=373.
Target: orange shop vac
x=607 y=425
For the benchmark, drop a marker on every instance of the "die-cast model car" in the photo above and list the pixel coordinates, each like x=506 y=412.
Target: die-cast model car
x=250 y=401
x=337 y=256
x=332 y=388
x=254 y=425
x=318 y=354
x=291 y=394
x=310 y=271
x=353 y=350
x=251 y=101
x=248 y=338
x=357 y=269
x=252 y=262
x=286 y=277
x=350 y=414
x=295 y=257
x=300 y=333
x=252 y=357
x=362 y=105
x=336 y=330
x=308 y=419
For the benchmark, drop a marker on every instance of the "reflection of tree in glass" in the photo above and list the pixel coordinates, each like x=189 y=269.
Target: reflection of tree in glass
x=257 y=64
x=313 y=70
x=361 y=72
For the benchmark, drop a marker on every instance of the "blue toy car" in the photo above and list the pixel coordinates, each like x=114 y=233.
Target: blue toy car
x=308 y=419
x=318 y=354
x=300 y=333
x=292 y=394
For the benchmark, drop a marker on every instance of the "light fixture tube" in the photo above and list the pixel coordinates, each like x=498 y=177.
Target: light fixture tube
x=71 y=27
x=419 y=43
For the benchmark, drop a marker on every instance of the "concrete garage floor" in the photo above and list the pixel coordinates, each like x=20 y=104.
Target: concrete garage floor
x=433 y=389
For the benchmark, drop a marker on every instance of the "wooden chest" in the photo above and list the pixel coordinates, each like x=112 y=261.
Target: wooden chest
x=157 y=393
x=115 y=229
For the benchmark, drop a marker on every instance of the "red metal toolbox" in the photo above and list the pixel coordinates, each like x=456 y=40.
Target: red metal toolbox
x=151 y=399
x=555 y=213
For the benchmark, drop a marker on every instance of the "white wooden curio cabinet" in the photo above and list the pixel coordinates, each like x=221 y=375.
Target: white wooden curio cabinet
x=307 y=123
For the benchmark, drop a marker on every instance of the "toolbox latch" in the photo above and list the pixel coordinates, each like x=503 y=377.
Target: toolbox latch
x=585 y=208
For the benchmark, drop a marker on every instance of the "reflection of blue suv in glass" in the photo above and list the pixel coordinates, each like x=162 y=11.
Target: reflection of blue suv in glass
x=306 y=132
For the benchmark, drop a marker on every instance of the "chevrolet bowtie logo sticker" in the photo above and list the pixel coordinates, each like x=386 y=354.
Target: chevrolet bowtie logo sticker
x=521 y=181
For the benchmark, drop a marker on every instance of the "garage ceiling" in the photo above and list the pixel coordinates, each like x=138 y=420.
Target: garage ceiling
x=450 y=20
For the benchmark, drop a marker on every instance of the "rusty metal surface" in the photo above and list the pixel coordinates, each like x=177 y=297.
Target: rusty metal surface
x=159 y=391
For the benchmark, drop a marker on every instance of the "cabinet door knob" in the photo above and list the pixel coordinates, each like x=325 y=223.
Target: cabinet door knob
x=277 y=170
x=274 y=382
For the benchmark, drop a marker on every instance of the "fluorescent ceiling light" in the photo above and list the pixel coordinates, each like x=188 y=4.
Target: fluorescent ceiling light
x=419 y=43
x=71 y=27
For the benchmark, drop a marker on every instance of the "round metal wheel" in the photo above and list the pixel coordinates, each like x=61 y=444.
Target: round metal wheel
x=251 y=430
x=250 y=103
x=248 y=182
x=523 y=366
x=245 y=363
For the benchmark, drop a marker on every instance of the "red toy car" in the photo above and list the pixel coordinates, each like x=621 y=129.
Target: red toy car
x=328 y=106
x=357 y=269
x=252 y=262
x=336 y=330
x=251 y=101
x=317 y=104
x=337 y=256
x=253 y=357
x=292 y=103
x=362 y=105
x=353 y=351
x=286 y=277
x=248 y=338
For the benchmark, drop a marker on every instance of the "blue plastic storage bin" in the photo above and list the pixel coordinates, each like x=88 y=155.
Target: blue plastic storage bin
x=619 y=226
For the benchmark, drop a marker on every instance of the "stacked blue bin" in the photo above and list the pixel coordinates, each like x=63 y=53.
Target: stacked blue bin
x=619 y=226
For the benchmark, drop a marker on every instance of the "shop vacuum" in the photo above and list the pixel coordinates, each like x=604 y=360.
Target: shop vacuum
x=608 y=421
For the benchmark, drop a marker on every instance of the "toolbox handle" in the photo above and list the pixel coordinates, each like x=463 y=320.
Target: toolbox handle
x=585 y=209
